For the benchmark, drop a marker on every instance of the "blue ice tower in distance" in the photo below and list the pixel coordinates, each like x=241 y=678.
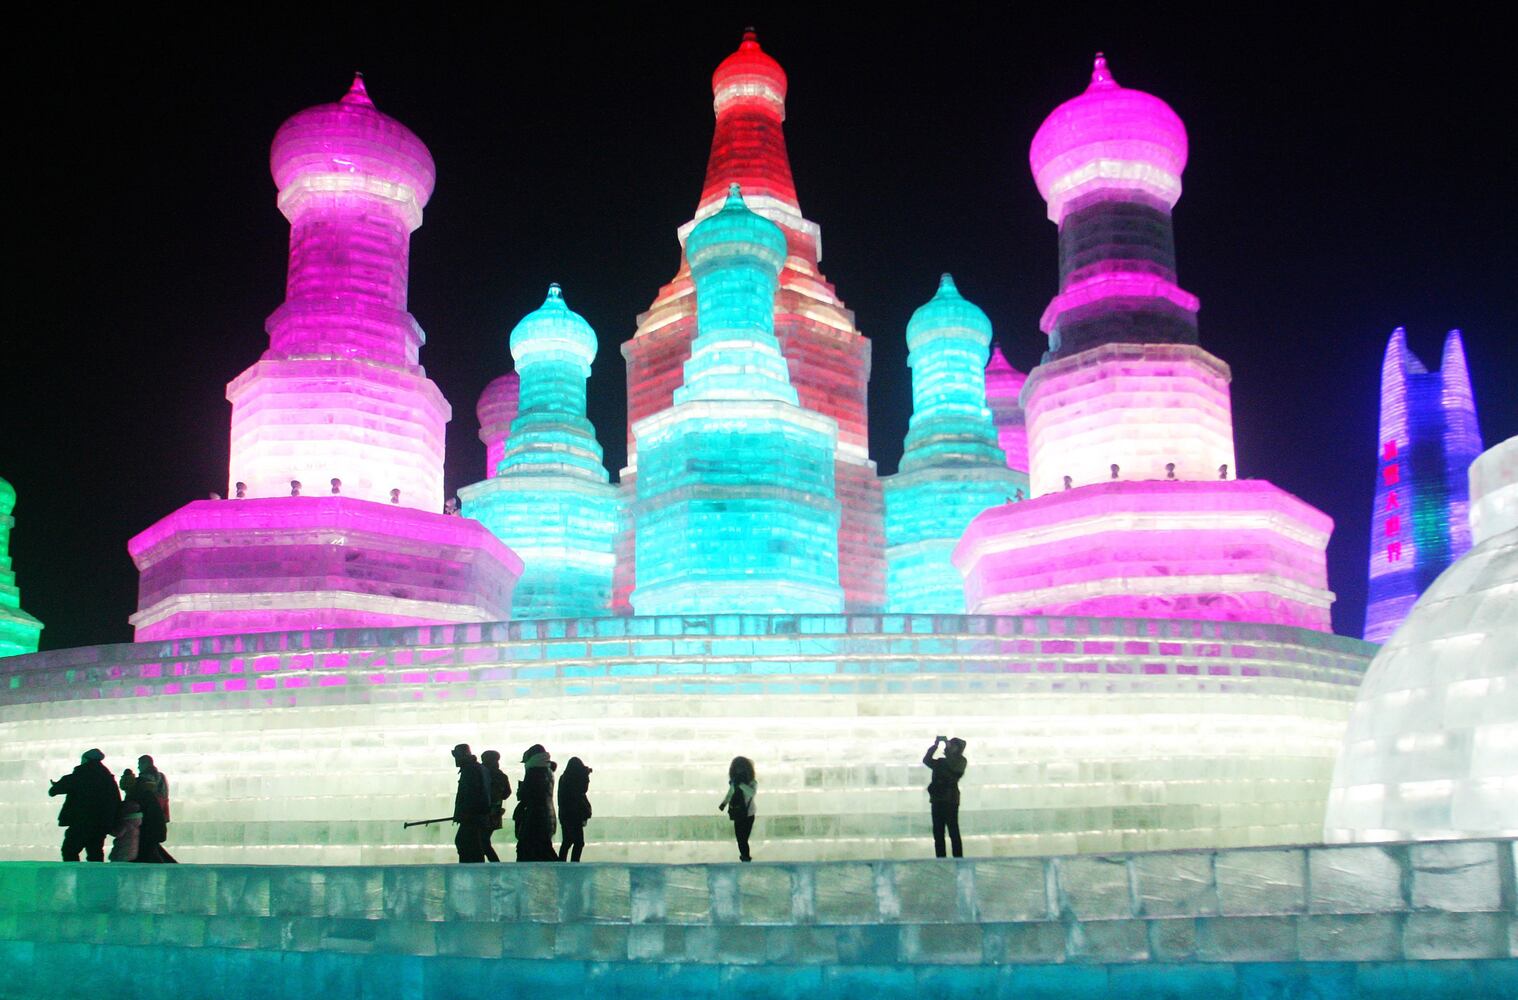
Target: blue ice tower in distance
x=550 y=499
x=952 y=467
x=735 y=508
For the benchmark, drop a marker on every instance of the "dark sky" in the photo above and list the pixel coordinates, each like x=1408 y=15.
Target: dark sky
x=1351 y=170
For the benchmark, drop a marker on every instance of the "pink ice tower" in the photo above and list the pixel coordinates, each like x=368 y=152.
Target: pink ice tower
x=1004 y=384
x=496 y=410
x=335 y=484
x=1136 y=511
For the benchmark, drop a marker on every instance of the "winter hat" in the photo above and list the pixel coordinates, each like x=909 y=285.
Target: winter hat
x=91 y=755
x=533 y=751
x=490 y=756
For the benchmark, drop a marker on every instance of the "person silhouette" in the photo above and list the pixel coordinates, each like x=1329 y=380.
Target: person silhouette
x=742 y=788
x=90 y=807
x=943 y=792
x=574 y=808
x=471 y=807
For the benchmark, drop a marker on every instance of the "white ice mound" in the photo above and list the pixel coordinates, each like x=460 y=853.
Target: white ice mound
x=1431 y=750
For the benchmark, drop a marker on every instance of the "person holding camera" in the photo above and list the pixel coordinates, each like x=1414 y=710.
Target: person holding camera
x=943 y=791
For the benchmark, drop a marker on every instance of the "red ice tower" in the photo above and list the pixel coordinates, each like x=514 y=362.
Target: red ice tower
x=828 y=358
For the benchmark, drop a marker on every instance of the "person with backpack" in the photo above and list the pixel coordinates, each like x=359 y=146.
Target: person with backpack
x=471 y=807
x=574 y=808
x=742 y=787
x=497 y=790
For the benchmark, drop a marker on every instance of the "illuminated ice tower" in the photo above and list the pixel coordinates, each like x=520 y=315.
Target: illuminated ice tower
x=1130 y=431
x=496 y=409
x=827 y=357
x=336 y=472
x=735 y=509
x=952 y=466
x=19 y=631
x=1004 y=386
x=1429 y=437
x=549 y=498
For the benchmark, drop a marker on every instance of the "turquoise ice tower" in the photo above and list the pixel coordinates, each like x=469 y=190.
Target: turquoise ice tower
x=19 y=631
x=550 y=499
x=735 y=507
x=953 y=466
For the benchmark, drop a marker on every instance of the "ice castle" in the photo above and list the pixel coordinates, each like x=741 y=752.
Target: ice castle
x=1066 y=570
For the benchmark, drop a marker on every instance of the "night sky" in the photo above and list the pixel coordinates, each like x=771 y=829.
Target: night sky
x=1350 y=171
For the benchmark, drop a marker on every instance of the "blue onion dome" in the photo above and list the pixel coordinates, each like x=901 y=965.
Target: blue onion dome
x=948 y=310
x=553 y=329
x=736 y=231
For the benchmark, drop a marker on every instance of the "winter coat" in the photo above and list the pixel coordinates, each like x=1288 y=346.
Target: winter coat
x=154 y=829
x=944 y=788
x=534 y=817
x=574 y=803
x=91 y=797
x=498 y=788
x=471 y=804
x=159 y=782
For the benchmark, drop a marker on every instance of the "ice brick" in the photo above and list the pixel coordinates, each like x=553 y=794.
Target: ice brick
x=765 y=894
x=722 y=883
x=528 y=940
x=296 y=892
x=591 y=942
x=927 y=891
x=477 y=940
x=609 y=893
x=789 y=945
x=1356 y=879
x=1455 y=935
x=1350 y=937
x=1261 y=882
x=472 y=893
x=1108 y=941
x=1019 y=943
x=537 y=891
x=355 y=892
x=1460 y=876
x=846 y=894
x=1094 y=888
x=242 y=891
x=1172 y=939
x=687 y=898
x=1247 y=939
x=142 y=890
x=941 y=944
x=1011 y=889
x=413 y=892
x=1175 y=884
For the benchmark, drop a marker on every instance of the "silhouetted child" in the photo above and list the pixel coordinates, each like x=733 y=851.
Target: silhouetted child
x=128 y=822
x=742 y=786
x=574 y=808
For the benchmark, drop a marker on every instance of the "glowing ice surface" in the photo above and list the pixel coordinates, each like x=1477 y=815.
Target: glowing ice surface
x=19 y=631
x=550 y=499
x=1432 y=746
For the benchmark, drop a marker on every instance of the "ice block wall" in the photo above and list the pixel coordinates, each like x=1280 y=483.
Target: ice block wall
x=551 y=500
x=1429 y=752
x=827 y=357
x=1085 y=734
x=735 y=509
x=952 y=466
x=1428 y=439
x=19 y=631
x=496 y=409
x=1422 y=920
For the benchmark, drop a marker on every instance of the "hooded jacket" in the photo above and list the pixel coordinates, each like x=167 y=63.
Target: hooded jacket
x=947 y=770
x=574 y=784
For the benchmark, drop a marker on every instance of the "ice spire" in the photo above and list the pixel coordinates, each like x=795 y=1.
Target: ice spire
x=19 y=631
x=735 y=507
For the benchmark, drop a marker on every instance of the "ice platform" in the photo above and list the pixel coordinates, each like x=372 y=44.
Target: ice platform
x=1086 y=735
x=1424 y=921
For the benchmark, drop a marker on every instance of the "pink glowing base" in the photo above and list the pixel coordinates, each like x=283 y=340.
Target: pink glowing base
x=216 y=567
x=1237 y=550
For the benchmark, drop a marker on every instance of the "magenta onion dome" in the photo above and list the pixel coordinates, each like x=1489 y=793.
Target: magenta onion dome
x=498 y=403
x=352 y=138
x=1110 y=123
x=749 y=70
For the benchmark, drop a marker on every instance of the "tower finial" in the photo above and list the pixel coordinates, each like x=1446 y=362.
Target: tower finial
x=358 y=93
x=555 y=292
x=946 y=283
x=1101 y=76
x=750 y=36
